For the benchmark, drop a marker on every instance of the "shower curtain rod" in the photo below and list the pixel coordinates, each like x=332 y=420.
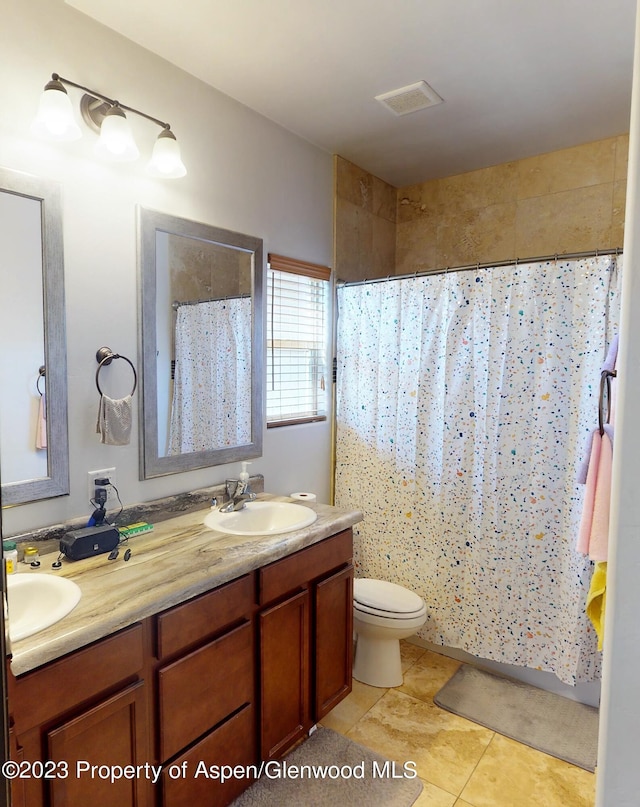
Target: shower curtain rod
x=177 y=303
x=569 y=256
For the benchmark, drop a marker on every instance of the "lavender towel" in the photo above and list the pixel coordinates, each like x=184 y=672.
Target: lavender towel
x=612 y=355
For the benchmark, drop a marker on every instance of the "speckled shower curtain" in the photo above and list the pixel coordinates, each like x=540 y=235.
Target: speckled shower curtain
x=213 y=367
x=464 y=403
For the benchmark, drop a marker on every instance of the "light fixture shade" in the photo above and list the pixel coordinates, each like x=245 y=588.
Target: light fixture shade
x=55 y=119
x=165 y=159
x=116 y=139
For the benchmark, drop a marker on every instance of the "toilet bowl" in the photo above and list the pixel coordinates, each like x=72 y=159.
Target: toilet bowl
x=383 y=613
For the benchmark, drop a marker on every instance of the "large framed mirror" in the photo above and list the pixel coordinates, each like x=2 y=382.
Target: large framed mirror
x=34 y=456
x=202 y=355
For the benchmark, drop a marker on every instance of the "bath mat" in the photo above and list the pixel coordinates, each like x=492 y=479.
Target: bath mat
x=372 y=780
x=543 y=720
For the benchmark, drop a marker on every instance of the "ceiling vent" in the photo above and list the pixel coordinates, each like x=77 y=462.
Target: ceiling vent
x=410 y=99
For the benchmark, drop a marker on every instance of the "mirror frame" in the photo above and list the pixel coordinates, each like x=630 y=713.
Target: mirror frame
x=56 y=483
x=152 y=464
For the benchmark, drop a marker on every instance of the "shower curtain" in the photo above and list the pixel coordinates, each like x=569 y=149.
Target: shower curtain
x=464 y=404
x=212 y=384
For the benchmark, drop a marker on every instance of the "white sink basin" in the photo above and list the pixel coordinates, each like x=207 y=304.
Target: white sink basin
x=37 y=601
x=262 y=518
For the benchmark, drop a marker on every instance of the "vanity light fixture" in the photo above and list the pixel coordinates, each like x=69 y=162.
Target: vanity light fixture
x=55 y=121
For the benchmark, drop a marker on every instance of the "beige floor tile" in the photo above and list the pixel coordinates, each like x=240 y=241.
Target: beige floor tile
x=428 y=675
x=347 y=713
x=433 y=796
x=409 y=654
x=461 y=803
x=514 y=775
x=444 y=747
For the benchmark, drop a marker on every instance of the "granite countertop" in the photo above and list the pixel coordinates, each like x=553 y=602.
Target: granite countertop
x=180 y=559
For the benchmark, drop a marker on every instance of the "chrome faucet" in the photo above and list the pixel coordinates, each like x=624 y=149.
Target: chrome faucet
x=238 y=493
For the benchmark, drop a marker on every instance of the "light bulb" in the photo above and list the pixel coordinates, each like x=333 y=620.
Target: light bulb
x=116 y=140
x=165 y=159
x=54 y=119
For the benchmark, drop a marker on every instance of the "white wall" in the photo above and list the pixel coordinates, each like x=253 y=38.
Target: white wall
x=618 y=780
x=245 y=173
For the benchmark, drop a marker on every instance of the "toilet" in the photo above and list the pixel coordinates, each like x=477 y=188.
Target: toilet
x=383 y=613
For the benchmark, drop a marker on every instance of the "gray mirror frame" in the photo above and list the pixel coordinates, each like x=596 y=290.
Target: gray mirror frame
x=56 y=483
x=151 y=463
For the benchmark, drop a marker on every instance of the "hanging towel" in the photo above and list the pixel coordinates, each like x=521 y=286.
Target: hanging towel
x=114 y=421
x=590 y=480
x=583 y=471
x=41 y=427
x=593 y=535
x=597 y=600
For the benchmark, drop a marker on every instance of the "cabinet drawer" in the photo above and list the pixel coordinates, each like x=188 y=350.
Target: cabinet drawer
x=202 y=689
x=39 y=696
x=194 y=621
x=308 y=564
x=233 y=743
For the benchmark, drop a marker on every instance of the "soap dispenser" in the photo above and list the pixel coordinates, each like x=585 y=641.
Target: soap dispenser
x=243 y=476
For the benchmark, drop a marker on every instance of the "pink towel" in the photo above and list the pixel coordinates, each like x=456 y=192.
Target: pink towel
x=41 y=426
x=599 y=539
x=593 y=536
x=589 y=494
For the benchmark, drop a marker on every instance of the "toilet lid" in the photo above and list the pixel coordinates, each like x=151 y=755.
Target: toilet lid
x=385 y=596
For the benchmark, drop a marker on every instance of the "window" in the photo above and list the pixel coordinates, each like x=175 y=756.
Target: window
x=297 y=306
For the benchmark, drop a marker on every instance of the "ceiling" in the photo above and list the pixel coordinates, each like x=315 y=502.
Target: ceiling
x=517 y=77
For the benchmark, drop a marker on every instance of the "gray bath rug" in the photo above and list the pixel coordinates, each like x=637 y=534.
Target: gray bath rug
x=353 y=776
x=543 y=720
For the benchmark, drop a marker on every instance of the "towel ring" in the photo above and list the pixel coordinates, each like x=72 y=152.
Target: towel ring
x=41 y=374
x=605 y=386
x=105 y=356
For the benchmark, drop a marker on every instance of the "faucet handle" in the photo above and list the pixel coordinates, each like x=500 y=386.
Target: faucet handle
x=231 y=486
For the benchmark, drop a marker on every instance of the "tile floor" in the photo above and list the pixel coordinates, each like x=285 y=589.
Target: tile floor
x=460 y=763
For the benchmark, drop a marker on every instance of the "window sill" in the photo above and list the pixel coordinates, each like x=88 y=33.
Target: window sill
x=294 y=421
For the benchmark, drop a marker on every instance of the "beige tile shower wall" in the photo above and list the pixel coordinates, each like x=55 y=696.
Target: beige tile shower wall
x=565 y=201
x=365 y=223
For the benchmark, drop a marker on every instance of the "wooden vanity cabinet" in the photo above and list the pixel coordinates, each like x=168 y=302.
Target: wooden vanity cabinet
x=229 y=677
x=87 y=707
x=205 y=692
x=305 y=628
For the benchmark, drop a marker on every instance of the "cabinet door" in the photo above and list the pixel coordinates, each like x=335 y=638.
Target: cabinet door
x=110 y=734
x=284 y=663
x=333 y=630
x=231 y=744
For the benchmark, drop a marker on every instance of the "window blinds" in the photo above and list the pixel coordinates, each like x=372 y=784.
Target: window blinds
x=297 y=305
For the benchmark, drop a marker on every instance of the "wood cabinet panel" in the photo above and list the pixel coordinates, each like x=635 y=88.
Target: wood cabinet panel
x=199 y=619
x=203 y=688
x=112 y=733
x=333 y=640
x=233 y=743
x=18 y=788
x=284 y=665
x=38 y=696
x=296 y=570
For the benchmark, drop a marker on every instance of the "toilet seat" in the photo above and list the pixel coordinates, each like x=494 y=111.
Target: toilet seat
x=387 y=600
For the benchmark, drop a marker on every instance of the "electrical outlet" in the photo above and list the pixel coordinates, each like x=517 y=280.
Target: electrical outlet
x=105 y=473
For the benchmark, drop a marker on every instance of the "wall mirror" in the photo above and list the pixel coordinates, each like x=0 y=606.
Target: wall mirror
x=202 y=353
x=34 y=461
